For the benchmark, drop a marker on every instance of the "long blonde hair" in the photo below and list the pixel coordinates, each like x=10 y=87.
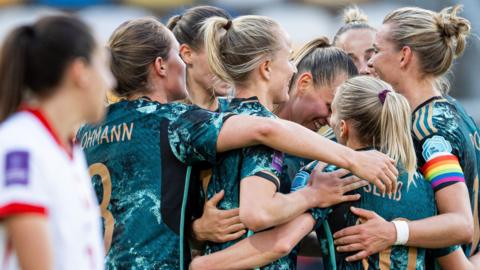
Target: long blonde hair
x=385 y=125
x=235 y=48
x=436 y=37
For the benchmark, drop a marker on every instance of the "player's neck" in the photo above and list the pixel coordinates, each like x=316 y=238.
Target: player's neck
x=418 y=91
x=63 y=114
x=355 y=144
x=201 y=97
x=284 y=111
x=254 y=90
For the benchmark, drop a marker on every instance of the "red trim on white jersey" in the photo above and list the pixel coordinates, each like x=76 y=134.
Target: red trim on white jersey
x=41 y=117
x=21 y=208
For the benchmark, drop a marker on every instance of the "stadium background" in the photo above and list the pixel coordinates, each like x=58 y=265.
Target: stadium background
x=303 y=19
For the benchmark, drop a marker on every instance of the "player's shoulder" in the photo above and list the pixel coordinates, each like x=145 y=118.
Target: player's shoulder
x=436 y=116
x=21 y=130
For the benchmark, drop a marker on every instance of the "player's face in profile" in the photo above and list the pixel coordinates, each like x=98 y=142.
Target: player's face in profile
x=100 y=81
x=358 y=43
x=386 y=59
x=282 y=70
x=200 y=72
x=312 y=109
x=175 y=70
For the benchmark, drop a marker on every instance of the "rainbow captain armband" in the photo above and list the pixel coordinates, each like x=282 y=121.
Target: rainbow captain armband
x=442 y=169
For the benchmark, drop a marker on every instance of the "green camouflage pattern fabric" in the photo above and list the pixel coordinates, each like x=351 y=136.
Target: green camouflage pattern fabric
x=233 y=166
x=444 y=119
x=130 y=146
x=410 y=202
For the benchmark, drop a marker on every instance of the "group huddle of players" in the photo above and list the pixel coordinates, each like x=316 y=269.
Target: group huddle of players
x=227 y=149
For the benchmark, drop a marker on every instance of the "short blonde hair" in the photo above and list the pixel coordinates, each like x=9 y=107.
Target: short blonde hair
x=436 y=37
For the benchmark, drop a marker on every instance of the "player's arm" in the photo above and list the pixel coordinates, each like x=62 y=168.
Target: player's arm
x=457 y=260
x=288 y=137
x=259 y=249
x=376 y=234
x=441 y=168
x=30 y=239
x=23 y=209
x=475 y=260
x=261 y=207
x=199 y=134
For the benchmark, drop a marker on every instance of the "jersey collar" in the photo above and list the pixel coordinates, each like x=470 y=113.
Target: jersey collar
x=425 y=103
x=44 y=121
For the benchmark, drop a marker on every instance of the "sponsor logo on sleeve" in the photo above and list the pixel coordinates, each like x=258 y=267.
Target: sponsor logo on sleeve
x=17 y=168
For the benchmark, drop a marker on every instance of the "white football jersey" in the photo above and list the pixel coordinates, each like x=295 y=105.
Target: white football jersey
x=37 y=175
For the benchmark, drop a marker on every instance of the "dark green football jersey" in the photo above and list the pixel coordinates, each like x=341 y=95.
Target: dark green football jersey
x=447 y=143
x=411 y=202
x=233 y=166
x=139 y=180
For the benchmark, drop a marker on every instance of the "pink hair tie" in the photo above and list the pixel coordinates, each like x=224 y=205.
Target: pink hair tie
x=383 y=95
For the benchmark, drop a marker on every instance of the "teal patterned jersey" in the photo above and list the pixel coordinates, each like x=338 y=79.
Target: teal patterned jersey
x=140 y=182
x=223 y=103
x=291 y=166
x=447 y=143
x=233 y=166
x=411 y=202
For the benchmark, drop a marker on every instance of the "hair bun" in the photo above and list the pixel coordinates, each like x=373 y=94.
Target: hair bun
x=453 y=26
x=354 y=15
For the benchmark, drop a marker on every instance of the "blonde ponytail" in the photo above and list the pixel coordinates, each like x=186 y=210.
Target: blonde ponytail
x=381 y=118
x=235 y=48
x=215 y=31
x=395 y=137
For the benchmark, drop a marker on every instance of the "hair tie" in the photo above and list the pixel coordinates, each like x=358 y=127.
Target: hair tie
x=228 y=25
x=383 y=95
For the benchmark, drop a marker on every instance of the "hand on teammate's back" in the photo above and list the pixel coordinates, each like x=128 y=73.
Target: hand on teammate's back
x=373 y=235
x=377 y=168
x=217 y=225
x=330 y=187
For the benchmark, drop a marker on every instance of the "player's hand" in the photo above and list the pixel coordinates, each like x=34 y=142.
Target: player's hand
x=218 y=225
x=377 y=168
x=373 y=235
x=330 y=188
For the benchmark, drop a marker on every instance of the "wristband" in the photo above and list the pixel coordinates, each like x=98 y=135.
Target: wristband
x=403 y=232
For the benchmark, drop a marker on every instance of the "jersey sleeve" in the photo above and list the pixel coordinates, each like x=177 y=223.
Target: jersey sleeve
x=193 y=135
x=438 y=144
x=263 y=162
x=22 y=189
